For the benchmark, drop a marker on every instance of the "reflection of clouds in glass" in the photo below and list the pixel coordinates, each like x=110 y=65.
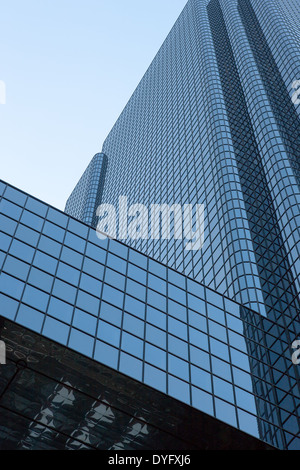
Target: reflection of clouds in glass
x=136 y=430
x=43 y=428
x=2 y=352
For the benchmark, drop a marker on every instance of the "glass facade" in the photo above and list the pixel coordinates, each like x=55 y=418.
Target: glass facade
x=80 y=404
x=213 y=122
x=125 y=310
x=87 y=194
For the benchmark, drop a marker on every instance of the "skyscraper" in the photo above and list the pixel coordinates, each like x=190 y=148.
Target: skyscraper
x=214 y=121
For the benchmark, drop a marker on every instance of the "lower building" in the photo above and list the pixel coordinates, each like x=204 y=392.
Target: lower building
x=107 y=348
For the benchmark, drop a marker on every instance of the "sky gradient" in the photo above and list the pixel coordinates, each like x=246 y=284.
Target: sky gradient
x=69 y=67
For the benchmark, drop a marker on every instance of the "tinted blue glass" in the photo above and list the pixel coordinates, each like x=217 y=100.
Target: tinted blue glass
x=108 y=333
x=95 y=253
x=30 y=318
x=93 y=268
x=156 y=300
x=179 y=389
x=8 y=307
x=85 y=322
x=87 y=302
x=77 y=228
x=106 y=354
x=64 y=291
x=56 y=330
x=110 y=313
x=118 y=264
x=4 y=241
x=176 y=279
x=67 y=273
x=248 y=423
x=223 y=389
x=239 y=359
x=156 y=336
x=16 y=267
x=177 y=310
x=198 y=339
x=13 y=195
x=221 y=368
x=138 y=259
x=216 y=314
x=155 y=356
x=219 y=349
x=242 y=379
x=36 y=206
x=57 y=217
x=132 y=345
x=27 y=235
x=71 y=257
x=135 y=307
x=196 y=304
x=32 y=220
x=136 y=290
x=74 y=242
x=131 y=366
x=153 y=376
x=114 y=279
x=156 y=317
x=10 y=209
x=81 y=342
x=45 y=262
x=157 y=284
x=136 y=273
x=202 y=401
x=218 y=331
x=178 y=347
x=60 y=310
x=22 y=251
x=126 y=329
x=49 y=246
x=177 y=294
x=114 y=296
x=201 y=379
x=133 y=325
x=200 y=358
x=177 y=328
x=36 y=298
x=2 y=257
x=90 y=284
x=11 y=286
x=245 y=400
x=7 y=225
x=53 y=231
x=195 y=289
x=118 y=249
x=225 y=412
x=197 y=321
x=237 y=341
x=178 y=367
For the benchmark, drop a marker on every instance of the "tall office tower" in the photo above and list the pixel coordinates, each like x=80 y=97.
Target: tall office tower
x=97 y=322
x=215 y=121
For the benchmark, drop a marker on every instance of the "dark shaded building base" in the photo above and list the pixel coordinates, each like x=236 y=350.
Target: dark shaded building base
x=54 y=398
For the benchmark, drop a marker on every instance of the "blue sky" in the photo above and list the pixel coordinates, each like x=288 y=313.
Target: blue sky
x=70 y=67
